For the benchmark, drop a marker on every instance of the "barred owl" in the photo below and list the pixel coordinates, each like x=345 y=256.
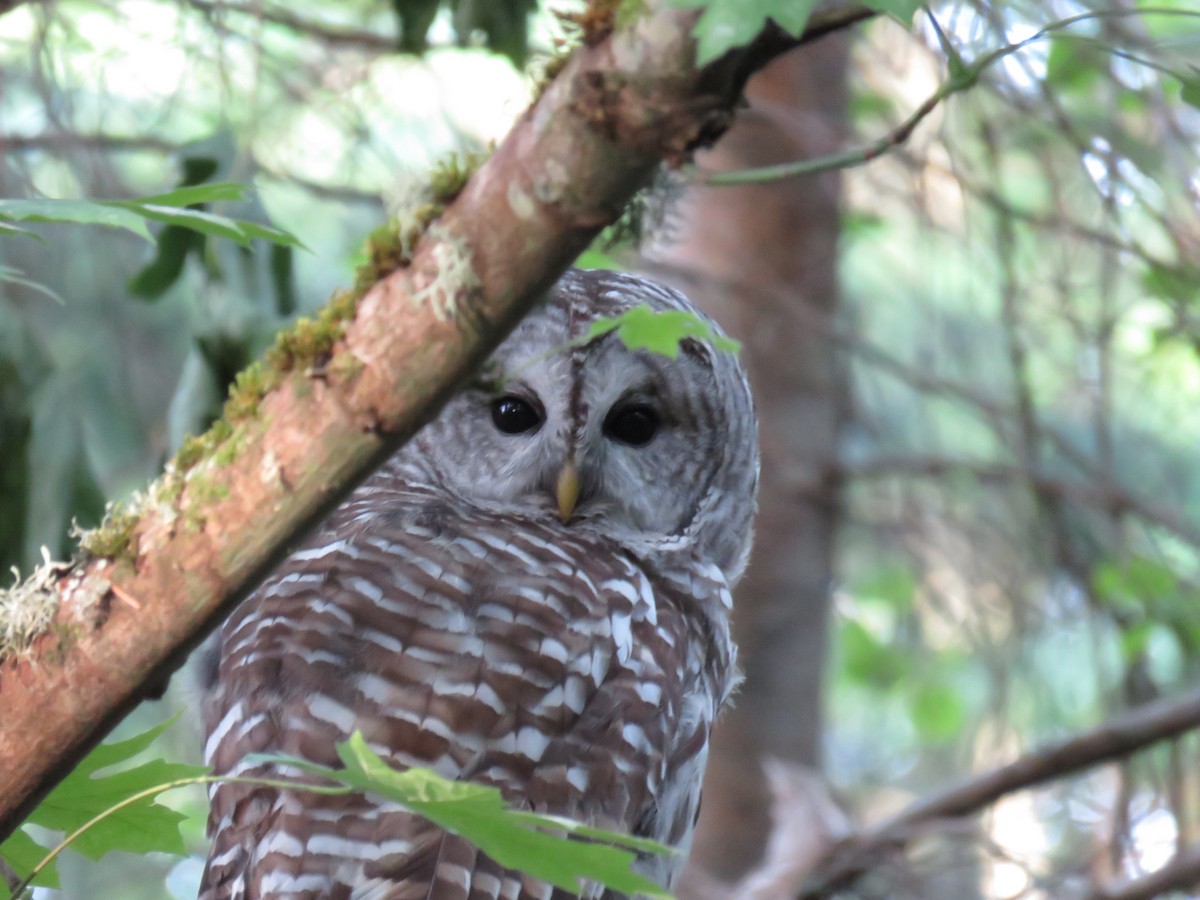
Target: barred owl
x=533 y=594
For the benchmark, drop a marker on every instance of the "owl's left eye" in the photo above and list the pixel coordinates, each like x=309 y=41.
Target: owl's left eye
x=633 y=425
x=515 y=415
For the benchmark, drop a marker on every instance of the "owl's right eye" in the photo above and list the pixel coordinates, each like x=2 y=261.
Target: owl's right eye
x=515 y=415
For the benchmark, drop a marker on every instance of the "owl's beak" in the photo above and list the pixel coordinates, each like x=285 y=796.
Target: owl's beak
x=566 y=490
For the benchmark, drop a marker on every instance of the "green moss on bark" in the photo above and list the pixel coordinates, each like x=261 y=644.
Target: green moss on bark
x=307 y=346
x=115 y=538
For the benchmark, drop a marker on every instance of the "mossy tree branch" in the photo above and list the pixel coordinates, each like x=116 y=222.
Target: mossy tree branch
x=304 y=432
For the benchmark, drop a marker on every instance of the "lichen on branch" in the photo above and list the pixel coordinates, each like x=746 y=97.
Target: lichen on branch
x=28 y=607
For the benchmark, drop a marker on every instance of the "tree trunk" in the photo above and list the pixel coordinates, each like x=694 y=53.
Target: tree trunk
x=762 y=259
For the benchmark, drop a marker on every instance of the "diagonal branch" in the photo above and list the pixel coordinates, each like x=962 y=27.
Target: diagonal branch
x=330 y=35
x=1112 y=497
x=1182 y=873
x=212 y=527
x=1115 y=739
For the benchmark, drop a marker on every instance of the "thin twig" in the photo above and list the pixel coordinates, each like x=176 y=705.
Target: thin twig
x=331 y=35
x=10 y=5
x=110 y=143
x=10 y=877
x=23 y=885
x=70 y=140
x=1112 y=498
x=961 y=79
x=1115 y=739
x=1182 y=873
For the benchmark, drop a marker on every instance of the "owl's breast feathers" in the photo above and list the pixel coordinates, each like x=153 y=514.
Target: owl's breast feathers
x=494 y=648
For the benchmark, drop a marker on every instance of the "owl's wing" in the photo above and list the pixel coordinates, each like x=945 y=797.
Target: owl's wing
x=487 y=647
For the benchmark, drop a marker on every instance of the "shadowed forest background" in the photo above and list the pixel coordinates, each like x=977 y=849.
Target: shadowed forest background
x=974 y=348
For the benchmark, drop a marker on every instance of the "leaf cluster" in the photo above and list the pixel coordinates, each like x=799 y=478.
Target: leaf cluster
x=182 y=210
x=554 y=849
x=85 y=797
x=119 y=811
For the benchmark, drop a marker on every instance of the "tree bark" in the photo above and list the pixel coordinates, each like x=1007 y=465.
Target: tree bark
x=622 y=104
x=763 y=259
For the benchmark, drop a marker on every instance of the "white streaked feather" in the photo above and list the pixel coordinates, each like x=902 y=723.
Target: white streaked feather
x=325 y=708
x=232 y=716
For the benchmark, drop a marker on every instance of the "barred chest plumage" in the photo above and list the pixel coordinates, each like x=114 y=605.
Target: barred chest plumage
x=548 y=663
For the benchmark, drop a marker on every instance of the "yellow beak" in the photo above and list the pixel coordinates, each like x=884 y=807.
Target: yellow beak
x=566 y=491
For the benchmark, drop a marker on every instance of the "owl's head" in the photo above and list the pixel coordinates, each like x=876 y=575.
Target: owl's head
x=637 y=445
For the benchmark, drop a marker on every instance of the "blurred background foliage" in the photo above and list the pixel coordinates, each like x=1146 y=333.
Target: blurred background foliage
x=1019 y=558
x=1018 y=552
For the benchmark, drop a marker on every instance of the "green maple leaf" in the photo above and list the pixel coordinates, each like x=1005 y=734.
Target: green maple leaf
x=538 y=845
x=141 y=827
x=726 y=24
x=130 y=215
x=641 y=328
